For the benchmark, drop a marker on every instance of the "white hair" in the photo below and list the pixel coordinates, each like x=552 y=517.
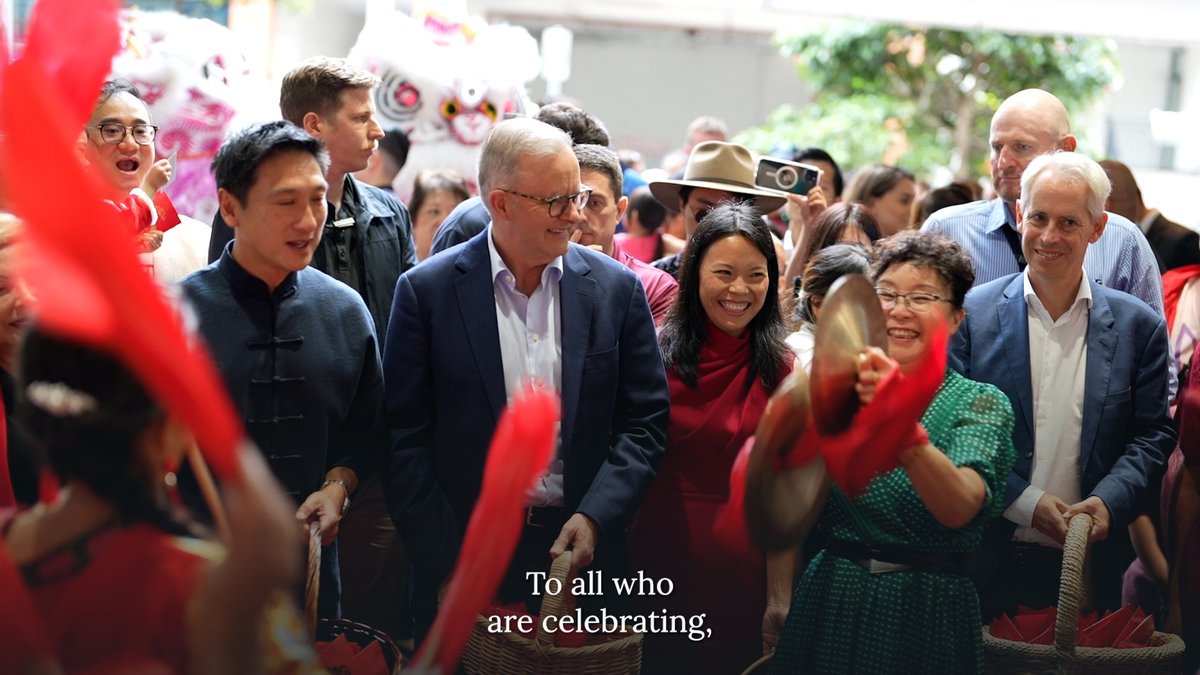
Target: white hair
x=1073 y=168
x=511 y=140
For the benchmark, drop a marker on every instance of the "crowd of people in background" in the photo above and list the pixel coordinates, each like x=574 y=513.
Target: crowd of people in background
x=370 y=346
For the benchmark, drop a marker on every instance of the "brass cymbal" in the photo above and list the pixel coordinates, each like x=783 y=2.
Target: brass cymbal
x=851 y=319
x=782 y=505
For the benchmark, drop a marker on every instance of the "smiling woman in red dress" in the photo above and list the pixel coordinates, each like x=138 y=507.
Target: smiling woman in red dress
x=723 y=347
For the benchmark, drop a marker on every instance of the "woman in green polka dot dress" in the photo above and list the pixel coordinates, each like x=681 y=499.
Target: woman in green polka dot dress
x=888 y=592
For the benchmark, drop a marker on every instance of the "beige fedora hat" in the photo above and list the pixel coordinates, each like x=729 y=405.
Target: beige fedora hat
x=718 y=165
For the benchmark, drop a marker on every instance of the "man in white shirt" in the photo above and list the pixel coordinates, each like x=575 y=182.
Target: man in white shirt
x=519 y=304
x=1086 y=369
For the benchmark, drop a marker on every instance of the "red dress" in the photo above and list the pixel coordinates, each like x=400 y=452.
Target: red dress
x=673 y=534
x=118 y=595
x=116 y=600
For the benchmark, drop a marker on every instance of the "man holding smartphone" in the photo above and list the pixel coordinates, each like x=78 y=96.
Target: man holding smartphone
x=716 y=172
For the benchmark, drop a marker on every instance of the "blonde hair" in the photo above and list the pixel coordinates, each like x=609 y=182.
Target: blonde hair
x=316 y=86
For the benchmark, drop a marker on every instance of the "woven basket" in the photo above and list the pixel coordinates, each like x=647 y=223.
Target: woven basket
x=760 y=667
x=361 y=635
x=1006 y=656
x=327 y=630
x=514 y=654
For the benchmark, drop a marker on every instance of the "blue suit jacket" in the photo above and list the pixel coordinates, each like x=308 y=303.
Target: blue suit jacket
x=445 y=391
x=1127 y=430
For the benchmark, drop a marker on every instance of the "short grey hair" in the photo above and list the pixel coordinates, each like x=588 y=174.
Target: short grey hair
x=511 y=140
x=1074 y=168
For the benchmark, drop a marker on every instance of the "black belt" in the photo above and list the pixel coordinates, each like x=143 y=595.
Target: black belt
x=543 y=516
x=882 y=560
x=1027 y=553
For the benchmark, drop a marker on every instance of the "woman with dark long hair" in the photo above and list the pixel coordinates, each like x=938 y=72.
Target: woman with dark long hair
x=724 y=351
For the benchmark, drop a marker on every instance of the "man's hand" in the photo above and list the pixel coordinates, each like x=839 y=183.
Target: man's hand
x=772 y=626
x=579 y=534
x=1101 y=518
x=577 y=234
x=325 y=507
x=803 y=210
x=1049 y=517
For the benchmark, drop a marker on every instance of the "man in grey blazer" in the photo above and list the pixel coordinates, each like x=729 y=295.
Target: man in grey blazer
x=1086 y=370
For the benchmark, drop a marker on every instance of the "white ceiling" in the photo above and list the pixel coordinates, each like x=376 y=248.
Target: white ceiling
x=1160 y=21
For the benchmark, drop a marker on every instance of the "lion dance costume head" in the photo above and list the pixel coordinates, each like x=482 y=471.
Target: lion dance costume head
x=446 y=81
x=193 y=75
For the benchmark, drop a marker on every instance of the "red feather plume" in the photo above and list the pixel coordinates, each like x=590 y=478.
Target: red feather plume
x=521 y=448
x=81 y=262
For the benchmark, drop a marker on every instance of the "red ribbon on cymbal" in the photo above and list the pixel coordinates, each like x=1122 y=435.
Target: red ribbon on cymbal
x=890 y=423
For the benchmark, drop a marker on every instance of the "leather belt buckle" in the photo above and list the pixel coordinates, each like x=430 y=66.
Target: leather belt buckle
x=1025 y=553
x=542 y=516
x=874 y=566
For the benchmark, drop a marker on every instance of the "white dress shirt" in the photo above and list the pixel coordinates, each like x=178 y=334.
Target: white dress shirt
x=531 y=348
x=1057 y=370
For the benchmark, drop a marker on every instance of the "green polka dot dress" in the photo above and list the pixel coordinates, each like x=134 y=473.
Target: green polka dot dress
x=844 y=619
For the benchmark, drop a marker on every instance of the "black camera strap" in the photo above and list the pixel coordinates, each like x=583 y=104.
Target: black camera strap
x=1014 y=242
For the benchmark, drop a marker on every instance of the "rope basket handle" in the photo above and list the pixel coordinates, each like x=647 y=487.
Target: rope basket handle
x=1071 y=586
x=312 y=581
x=556 y=605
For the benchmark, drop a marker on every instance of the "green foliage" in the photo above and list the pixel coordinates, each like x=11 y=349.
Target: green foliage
x=924 y=97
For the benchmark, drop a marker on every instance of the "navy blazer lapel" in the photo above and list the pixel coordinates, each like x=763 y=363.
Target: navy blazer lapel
x=1101 y=349
x=477 y=306
x=1013 y=316
x=577 y=301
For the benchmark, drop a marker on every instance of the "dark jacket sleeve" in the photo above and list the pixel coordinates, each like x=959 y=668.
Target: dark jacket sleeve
x=397 y=218
x=466 y=220
x=362 y=443
x=1143 y=412
x=641 y=412
x=418 y=505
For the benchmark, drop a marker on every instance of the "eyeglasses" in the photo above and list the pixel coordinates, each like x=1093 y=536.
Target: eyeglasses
x=113 y=133
x=916 y=302
x=557 y=205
